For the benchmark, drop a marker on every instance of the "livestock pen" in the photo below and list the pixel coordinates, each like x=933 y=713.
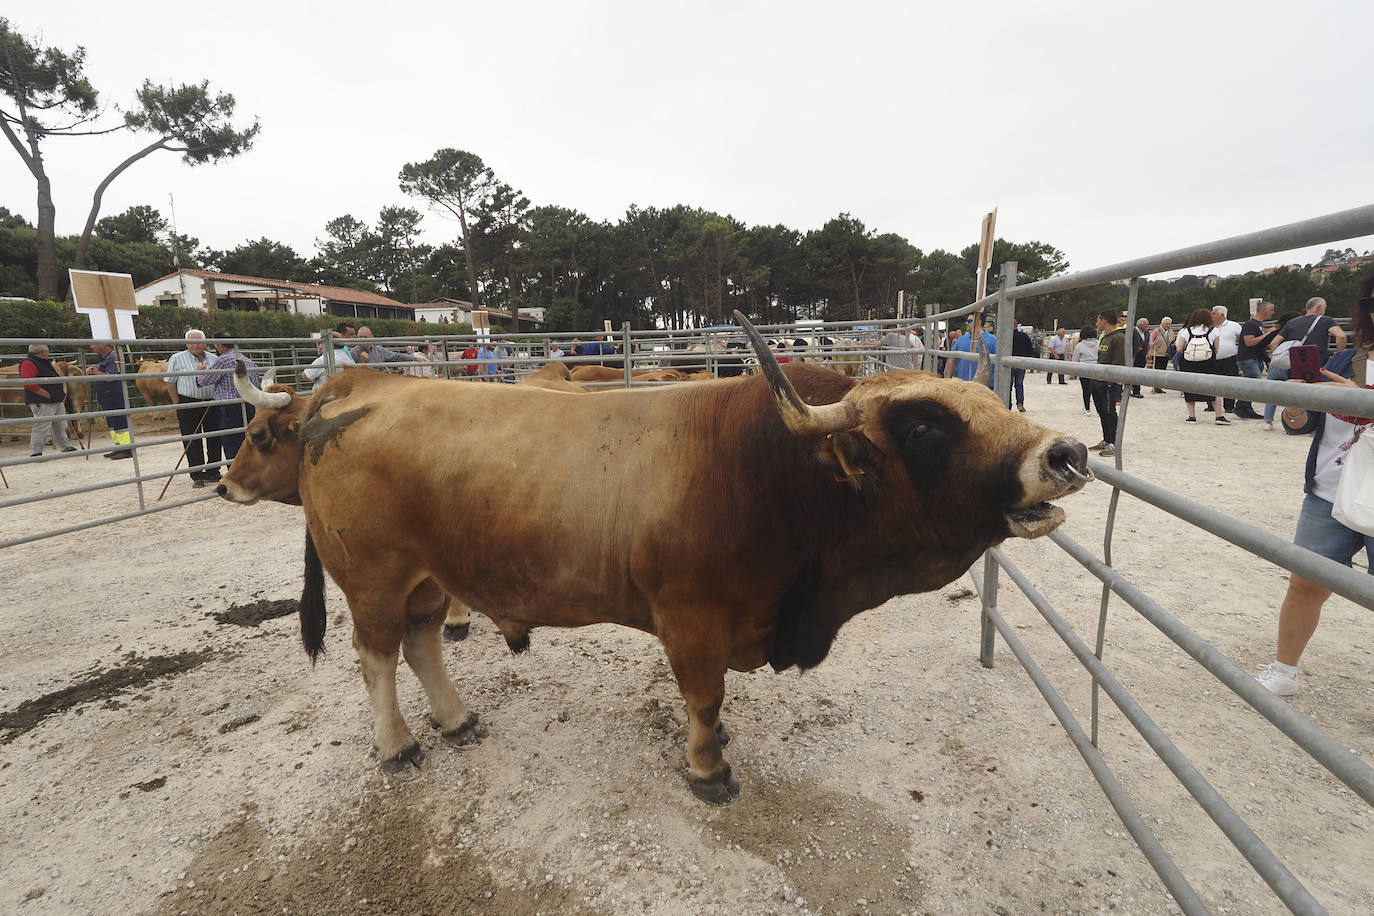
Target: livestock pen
x=159 y=757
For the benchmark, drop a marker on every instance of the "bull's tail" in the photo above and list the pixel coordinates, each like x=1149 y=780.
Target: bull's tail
x=312 y=602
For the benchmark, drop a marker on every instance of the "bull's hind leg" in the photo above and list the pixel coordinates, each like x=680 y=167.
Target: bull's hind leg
x=458 y=622
x=424 y=654
x=699 y=661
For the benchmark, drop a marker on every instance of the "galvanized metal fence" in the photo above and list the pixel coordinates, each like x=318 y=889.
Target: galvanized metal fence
x=1344 y=581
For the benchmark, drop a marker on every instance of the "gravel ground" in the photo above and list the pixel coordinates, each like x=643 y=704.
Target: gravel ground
x=166 y=747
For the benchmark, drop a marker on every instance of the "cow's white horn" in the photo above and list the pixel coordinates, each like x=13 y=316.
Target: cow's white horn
x=263 y=400
x=984 y=374
x=801 y=418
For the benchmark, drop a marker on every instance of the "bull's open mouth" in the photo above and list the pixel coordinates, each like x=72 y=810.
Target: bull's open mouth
x=1034 y=521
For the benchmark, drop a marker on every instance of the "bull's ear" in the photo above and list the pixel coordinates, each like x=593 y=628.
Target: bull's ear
x=849 y=456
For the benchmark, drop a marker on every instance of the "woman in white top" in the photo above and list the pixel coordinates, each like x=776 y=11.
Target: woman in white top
x=1085 y=351
x=1200 y=328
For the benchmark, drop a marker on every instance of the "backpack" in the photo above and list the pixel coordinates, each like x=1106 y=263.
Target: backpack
x=1198 y=349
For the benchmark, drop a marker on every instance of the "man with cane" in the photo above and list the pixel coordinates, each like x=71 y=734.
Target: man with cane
x=195 y=420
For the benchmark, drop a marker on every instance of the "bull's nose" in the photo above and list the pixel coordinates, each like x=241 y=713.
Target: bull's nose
x=221 y=490
x=1068 y=459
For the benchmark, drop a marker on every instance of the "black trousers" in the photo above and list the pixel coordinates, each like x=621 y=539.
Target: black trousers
x=232 y=416
x=1104 y=400
x=1229 y=367
x=1087 y=385
x=195 y=420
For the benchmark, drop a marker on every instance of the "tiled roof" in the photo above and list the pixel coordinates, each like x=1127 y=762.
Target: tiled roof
x=333 y=293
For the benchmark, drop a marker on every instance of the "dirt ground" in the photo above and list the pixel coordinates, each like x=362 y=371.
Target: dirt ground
x=166 y=747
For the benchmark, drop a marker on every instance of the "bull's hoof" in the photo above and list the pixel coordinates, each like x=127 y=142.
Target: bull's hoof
x=407 y=758
x=719 y=789
x=467 y=734
x=519 y=643
x=722 y=735
x=456 y=632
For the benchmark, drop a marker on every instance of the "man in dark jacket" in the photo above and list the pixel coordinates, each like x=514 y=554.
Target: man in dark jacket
x=1111 y=351
x=45 y=400
x=1021 y=345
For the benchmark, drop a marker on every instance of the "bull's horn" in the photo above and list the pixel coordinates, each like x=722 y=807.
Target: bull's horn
x=270 y=378
x=801 y=418
x=263 y=400
x=984 y=374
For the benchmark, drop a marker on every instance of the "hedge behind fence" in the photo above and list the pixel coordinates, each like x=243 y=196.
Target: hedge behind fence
x=59 y=320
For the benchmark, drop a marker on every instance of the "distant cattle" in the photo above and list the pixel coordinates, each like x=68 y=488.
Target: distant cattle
x=153 y=388
x=12 y=403
x=742 y=522
x=553 y=376
x=78 y=392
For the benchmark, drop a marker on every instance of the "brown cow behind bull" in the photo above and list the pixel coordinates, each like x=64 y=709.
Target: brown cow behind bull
x=153 y=388
x=742 y=521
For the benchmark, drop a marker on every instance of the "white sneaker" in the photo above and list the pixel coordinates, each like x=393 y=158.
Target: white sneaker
x=1268 y=427
x=1087 y=413
x=1278 y=683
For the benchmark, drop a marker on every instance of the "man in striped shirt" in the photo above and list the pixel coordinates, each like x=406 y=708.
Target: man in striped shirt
x=195 y=417
x=221 y=376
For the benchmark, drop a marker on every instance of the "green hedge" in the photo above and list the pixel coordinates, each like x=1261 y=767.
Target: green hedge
x=29 y=320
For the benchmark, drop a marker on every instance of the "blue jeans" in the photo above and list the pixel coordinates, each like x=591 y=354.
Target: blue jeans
x=1275 y=375
x=1018 y=386
x=1249 y=368
x=1322 y=534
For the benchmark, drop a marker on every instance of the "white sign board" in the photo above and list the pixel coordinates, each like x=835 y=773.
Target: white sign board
x=108 y=299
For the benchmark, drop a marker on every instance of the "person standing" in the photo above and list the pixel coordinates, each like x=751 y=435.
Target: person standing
x=1056 y=347
x=46 y=400
x=1111 y=351
x=374 y=355
x=1021 y=345
x=966 y=369
x=1197 y=354
x=110 y=394
x=1250 y=355
x=1161 y=348
x=897 y=343
x=1226 y=336
x=1140 y=342
x=196 y=418
x=232 y=417
x=1317 y=530
x=1085 y=351
x=1312 y=327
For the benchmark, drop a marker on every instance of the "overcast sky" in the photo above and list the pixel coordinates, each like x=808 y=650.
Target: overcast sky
x=1110 y=130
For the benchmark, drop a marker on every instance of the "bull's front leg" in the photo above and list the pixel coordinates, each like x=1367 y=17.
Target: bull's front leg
x=396 y=746
x=698 y=660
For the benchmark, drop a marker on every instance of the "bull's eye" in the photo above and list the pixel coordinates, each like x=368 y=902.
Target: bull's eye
x=919 y=430
x=257 y=437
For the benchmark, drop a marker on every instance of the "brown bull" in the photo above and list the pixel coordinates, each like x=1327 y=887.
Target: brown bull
x=153 y=388
x=802 y=499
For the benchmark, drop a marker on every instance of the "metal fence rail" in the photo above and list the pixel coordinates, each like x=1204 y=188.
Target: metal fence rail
x=1358 y=587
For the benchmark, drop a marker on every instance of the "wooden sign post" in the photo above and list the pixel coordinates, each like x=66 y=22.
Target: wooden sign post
x=108 y=299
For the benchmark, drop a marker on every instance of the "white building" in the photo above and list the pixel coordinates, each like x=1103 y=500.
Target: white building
x=212 y=290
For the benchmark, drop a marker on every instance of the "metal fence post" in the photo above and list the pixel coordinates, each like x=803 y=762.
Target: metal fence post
x=1006 y=322
x=625 y=353
x=929 y=360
